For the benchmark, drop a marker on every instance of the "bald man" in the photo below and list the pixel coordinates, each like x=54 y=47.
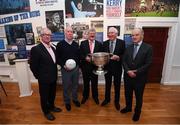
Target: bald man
x=44 y=68
x=69 y=49
x=116 y=47
x=136 y=63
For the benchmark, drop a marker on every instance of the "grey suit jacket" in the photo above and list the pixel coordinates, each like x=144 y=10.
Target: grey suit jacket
x=142 y=61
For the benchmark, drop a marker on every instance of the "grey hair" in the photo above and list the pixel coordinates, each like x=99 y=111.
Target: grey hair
x=113 y=29
x=140 y=30
x=45 y=30
x=92 y=30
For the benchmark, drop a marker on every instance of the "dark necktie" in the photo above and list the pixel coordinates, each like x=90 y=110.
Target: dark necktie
x=135 y=50
x=111 y=47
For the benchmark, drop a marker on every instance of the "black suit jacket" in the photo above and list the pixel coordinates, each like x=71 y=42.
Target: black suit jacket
x=42 y=65
x=142 y=61
x=115 y=66
x=84 y=51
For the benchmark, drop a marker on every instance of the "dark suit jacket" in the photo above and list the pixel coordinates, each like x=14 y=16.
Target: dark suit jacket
x=84 y=51
x=115 y=66
x=142 y=61
x=42 y=65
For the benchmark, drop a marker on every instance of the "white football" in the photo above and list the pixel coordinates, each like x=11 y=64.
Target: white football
x=70 y=64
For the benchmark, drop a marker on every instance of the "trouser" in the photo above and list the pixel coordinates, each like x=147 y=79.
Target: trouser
x=70 y=82
x=47 y=93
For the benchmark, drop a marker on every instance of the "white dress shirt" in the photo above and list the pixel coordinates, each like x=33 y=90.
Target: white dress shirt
x=50 y=51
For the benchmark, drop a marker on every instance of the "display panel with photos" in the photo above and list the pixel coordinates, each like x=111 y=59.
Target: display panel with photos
x=14 y=6
x=15 y=31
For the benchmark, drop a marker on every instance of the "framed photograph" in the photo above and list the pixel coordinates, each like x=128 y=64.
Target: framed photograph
x=21 y=45
x=30 y=39
x=55 y=22
x=38 y=29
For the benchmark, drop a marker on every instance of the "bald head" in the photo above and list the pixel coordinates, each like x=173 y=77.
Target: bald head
x=69 y=33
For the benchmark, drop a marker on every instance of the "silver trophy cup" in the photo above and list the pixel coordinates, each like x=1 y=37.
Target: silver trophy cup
x=100 y=59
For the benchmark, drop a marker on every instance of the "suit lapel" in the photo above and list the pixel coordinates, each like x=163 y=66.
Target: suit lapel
x=139 y=51
x=116 y=45
x=87 y=46
x=131 y=51
x=46 y=52
x=95 y=47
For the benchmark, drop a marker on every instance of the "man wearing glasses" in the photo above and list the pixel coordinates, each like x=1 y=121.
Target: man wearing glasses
x=44 y=68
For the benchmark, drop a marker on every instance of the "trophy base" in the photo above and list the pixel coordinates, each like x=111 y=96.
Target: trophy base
x=99 y=72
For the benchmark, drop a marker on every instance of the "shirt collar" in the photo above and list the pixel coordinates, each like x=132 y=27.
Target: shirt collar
x=91 y=41
x=47 y=46
x=114 y=41
x=139 y=43
x=68 y=41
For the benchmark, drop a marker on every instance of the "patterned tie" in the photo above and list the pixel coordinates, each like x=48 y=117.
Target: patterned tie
x=111 y=47
x=135 y=50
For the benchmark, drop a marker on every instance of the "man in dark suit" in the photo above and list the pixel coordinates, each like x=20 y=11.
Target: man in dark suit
x=88 y=47
x=44 y=67
x=136 y=63
x=116 y=47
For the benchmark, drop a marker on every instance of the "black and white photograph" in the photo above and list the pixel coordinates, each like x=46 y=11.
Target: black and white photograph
x=55 y=22
x=30 y=38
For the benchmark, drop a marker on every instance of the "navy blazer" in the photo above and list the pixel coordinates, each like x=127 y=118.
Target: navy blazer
x=115 y=66
x=42 y=65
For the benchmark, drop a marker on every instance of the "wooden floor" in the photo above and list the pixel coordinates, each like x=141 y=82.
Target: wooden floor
x=161 y=105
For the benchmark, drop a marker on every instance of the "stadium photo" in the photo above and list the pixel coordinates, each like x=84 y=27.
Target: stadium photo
x=152 y=8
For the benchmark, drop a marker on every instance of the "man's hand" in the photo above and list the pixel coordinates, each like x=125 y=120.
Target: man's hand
x=66 y=68
x=115 y=57
x=132 y=73
x=88 y=59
